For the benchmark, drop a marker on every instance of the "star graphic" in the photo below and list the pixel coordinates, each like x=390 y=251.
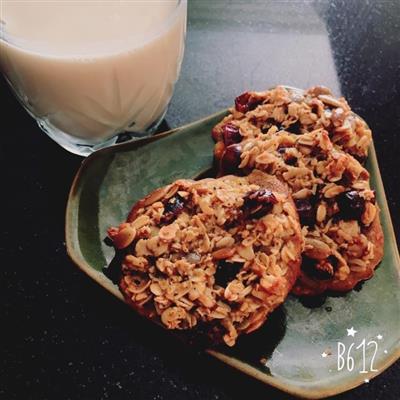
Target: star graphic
x=351 y=331
x=379 y=337
x=323 y=355
x=366 y=380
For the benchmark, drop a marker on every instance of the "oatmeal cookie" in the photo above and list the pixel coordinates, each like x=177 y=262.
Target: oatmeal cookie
x=219 y=254
x=296 y=111
x=308 y=285
x=343 y=235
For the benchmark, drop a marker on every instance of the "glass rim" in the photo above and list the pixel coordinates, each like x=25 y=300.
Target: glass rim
x=34 y=46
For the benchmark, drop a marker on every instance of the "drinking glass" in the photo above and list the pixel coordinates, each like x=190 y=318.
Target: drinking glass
x=112 y=73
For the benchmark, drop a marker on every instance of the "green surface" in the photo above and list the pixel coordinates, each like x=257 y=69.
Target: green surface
x=292 y=341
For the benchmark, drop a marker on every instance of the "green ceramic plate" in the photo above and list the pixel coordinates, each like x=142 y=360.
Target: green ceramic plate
x=287 y=352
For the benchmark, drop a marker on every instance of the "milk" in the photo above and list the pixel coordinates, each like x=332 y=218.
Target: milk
x=93 y=68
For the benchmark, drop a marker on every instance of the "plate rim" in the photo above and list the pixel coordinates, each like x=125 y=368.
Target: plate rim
x=249 y=370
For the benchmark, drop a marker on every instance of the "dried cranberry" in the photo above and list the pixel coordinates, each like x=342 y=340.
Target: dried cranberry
x=347 y=178
x=360 y=158
x=231 y=158
x=334 y=261
x=172 y=208
x=321 y=270
x=315 y=109
x=226 y=272
x=269 y=123
x=318 y=153
x=288 y=158
x=324 y=270
x=321 y=157
x=235 y=220
x=306 y=211
x=259 y=202
x=282 y=149
x=231 y=134
x=241 y=102
x=291 y=160
x=295 y=128
x=245 y=102
x=351 y=205
x=261 y=196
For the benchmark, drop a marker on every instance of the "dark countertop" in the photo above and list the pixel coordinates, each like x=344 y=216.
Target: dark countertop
x=63 y=336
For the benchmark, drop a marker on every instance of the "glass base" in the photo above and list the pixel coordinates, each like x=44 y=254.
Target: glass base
x=83 y=147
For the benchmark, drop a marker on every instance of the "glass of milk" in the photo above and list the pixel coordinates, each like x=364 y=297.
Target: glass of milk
x=88 y=71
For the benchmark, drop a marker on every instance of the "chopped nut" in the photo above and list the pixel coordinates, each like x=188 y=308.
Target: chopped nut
x=333 y=191
x=155 y=196
x=140 y=221
x=205 y=207
x=321 y=213
x=226 y=241
x=171 y=191
x=331 y=101
x=317 y=249
x=246 y=252
x=369 y=214
x=156 y=289
x=223 y=253
x=124 y=237
x=302 y=194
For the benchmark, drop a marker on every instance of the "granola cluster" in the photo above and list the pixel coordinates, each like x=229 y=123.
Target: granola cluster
x=297 y=137
x=222 y=253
